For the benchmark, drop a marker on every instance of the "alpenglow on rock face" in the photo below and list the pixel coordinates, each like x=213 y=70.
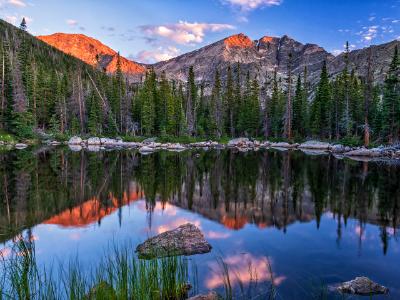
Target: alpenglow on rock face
x=185 y=240
x=362 y=286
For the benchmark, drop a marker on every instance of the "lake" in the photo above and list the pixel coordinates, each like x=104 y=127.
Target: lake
x=302 y=221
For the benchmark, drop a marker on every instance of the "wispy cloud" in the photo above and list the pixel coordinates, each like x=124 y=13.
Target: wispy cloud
x=17 y=3
x=248 y=5
x=16 y=19
x=75 y=24
x=184 y=33
x=159 y=54
x=369 y=33
x=72 y=22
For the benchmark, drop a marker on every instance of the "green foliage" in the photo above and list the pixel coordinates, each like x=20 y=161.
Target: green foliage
x=55 y=92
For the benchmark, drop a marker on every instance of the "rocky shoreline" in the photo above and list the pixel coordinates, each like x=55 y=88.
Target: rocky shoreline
x=151 y=145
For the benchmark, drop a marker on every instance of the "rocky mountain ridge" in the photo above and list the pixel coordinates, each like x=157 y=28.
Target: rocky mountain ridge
x=94 y=53
x=260 y=57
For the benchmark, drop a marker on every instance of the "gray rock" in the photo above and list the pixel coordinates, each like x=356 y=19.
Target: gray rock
x=364 y=152
x=176 y=147
x=94 y=141
x=209 y=296
x=315 y=145
x=75 y=148
x=362 y=286
x=21 y=146
x=146 y=149
x=75 y=140
x=239 y=142
x=338 y=148
x=2 y=143
x=284 y=145
x=149 y=140
x=186 y=240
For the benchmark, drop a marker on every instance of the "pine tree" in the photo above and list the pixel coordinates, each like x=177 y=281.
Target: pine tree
x=276 y=108
x=148 y=99
x=217 y=107
x=23 y=26
x=237 y=97
x=191 y=102
x=391 y=100
x=229 y=103
x=289 y=109
x=298 y=117
x=320 y=119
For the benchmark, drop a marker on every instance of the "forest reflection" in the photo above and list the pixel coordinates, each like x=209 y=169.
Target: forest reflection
x=265 y=188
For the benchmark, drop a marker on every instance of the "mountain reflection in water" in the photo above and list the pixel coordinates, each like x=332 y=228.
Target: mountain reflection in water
x=285 y=207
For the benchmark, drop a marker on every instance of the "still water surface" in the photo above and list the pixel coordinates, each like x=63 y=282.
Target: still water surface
x=317 y=219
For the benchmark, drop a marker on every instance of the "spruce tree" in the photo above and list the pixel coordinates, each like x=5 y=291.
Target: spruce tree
x=391 y=100
x=320 y=119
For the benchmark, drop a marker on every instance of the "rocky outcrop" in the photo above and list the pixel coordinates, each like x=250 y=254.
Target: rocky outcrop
x=185 y=240
x=262 y=56
x=362 y=286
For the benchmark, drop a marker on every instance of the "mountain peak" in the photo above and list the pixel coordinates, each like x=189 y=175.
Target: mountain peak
x=239 y=40
x=267 y=39
x=92 y=52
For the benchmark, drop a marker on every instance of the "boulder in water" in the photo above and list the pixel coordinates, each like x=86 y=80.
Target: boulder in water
x=362 y=286
x=315 y=145
x=75 y=140
x=94 y=141
x=239 y=142
x=364 y=152
x=185 y=240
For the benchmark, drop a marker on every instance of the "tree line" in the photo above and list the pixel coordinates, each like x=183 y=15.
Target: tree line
x=42 y=88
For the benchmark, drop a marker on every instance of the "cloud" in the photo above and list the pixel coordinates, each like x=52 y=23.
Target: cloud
x=159 y=54
x=108 y=28
x=371 y=18
x=248 y=5
x=16 y=19
x=370 y=33
x=17 y=3
x=75 y=23
x=72 y=22
x=183 y=32
x=242 y=269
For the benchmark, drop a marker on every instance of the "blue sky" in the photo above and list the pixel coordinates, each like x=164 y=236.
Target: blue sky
x=151 y=30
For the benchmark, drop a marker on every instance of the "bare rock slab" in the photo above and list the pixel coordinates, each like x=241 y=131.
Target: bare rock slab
x=362 y=286
x=185 y=240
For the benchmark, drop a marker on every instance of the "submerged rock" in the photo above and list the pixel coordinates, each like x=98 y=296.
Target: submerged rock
x=209 y=296
x=75 y=140
x=362 y=286
x=185 y=240
x=315 y=145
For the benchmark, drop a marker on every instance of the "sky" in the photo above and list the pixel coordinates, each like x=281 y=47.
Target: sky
x=154 y=30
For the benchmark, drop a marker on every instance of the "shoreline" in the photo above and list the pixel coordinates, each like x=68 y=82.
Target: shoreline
x=150 y=145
